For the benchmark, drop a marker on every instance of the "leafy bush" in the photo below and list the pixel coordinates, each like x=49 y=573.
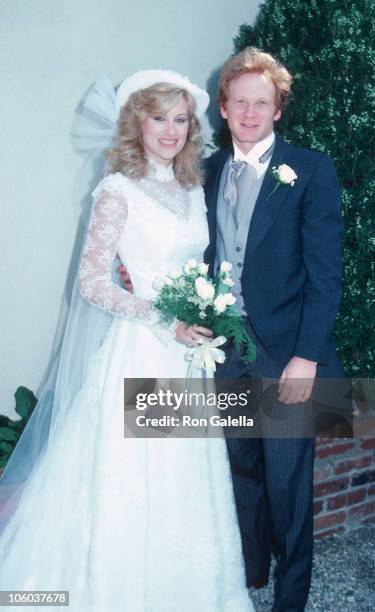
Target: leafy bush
x=11 y=430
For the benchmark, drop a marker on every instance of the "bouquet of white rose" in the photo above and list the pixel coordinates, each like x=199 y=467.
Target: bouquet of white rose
x=189 y=295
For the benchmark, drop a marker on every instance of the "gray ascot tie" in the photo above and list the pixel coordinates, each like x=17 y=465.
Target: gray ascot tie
x=241 y=176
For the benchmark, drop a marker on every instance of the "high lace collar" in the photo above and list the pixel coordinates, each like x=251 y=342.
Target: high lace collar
x=159 y=171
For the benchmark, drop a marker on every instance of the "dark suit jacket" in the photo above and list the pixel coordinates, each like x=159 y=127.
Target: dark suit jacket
x=291 y=280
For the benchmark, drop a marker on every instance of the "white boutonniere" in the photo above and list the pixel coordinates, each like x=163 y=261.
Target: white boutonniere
x=283 y=175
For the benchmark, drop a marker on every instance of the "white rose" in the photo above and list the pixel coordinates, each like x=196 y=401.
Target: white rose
x=190 y=265
x=229 y=299
x=225 y=266
x=286 y=174
x=228 y=281
x=204 y=289
x=175 y=274
x=167 y=281
x=207 y=293
x=203 y=268
x=220 y=304
x=200 y=282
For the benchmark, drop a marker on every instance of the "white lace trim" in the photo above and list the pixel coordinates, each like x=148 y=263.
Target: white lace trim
x=159 y=171
x=167 y=194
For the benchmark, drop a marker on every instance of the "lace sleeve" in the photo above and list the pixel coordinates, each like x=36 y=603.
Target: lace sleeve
x=95 y=280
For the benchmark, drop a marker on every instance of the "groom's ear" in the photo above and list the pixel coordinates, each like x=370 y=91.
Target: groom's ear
x=277 y=115
x=223 y=112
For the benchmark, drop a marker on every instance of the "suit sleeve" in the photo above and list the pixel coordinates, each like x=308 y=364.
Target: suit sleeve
x=322 y=230
x=210 y=198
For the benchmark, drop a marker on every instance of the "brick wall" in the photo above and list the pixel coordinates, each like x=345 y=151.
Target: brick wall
x=344 y=484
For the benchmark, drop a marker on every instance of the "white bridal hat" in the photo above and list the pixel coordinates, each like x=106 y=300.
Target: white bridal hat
x=146 y=78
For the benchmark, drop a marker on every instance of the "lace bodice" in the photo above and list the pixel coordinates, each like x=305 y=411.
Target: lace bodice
x=154 y=225
x=164 y=189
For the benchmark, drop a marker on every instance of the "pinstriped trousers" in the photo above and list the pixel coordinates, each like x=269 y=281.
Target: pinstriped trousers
x=273 y=485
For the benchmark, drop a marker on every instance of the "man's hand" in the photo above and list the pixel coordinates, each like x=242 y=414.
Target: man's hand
x=125 y=278
x=296 y=381
x=192 y=334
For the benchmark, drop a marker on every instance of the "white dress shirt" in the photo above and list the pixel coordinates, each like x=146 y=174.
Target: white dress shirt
x=255 y=153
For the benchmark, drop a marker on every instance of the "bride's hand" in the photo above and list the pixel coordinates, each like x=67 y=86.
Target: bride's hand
x=192 y=334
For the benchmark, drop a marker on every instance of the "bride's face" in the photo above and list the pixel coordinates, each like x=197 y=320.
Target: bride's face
x=164 y=135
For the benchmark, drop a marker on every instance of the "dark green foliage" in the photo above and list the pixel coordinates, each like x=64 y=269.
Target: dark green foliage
x=233 y=327
x=10 y=430
x=329 y=47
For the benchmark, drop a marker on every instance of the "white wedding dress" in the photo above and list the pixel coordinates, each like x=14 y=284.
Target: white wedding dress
x=125 y=524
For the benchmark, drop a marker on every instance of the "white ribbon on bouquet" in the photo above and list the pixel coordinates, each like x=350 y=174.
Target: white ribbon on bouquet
x=205 y=356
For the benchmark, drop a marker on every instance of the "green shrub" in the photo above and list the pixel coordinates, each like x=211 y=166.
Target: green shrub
x=11 y=430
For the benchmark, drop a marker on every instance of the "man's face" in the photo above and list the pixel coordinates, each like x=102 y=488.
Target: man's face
x=250 y=109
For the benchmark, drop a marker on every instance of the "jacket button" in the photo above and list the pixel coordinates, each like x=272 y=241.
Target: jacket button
x=239 y=264
x=238 y=249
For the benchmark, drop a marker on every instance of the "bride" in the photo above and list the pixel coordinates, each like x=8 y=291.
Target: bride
x=140 y=525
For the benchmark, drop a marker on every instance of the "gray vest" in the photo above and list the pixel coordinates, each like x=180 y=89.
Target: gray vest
x=231 y=241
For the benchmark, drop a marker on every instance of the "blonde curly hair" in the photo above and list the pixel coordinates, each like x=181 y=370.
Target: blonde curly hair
x=128 y=154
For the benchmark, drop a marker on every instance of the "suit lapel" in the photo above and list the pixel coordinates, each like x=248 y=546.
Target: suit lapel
x=267 y=206
x=213 y=184
x=212 y=193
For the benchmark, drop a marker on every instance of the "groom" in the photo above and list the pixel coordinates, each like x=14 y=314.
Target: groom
x=281 y=230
